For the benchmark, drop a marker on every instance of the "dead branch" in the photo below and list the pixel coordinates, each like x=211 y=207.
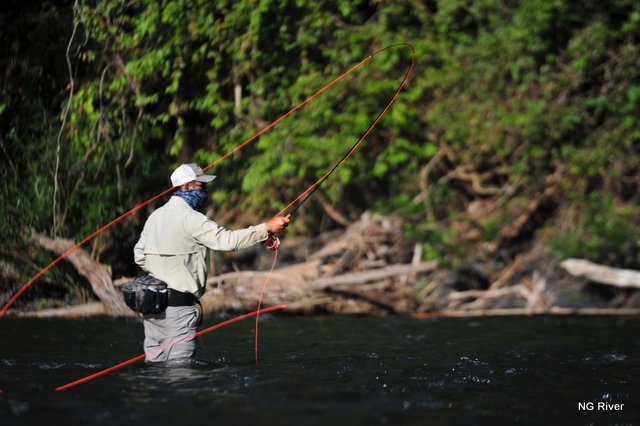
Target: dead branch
x=372 y=238
x=464 y=174
x=624 y=278
x=532 y=291
x=235 y=277
x=98 y=275
x=534 y=216
x=507 y=273
x=539 y=299
x=76 y=311
x=331 y=211
x=362 y=277
x=445 y=152
x=523 y=311
x=479 y=209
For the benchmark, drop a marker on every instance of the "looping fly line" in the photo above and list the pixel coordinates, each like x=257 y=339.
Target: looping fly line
x=302 y=196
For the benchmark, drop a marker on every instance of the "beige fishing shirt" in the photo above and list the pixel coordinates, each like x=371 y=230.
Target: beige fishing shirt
x=173 y=245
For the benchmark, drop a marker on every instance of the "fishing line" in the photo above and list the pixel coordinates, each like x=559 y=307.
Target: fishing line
x=140 y=357
x=168 y=190
x=311 y=189
x=264 y=287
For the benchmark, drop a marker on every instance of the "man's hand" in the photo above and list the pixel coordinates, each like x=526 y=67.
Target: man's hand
x=277 y=224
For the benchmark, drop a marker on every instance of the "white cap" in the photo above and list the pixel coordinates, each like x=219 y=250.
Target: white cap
x=188 y=173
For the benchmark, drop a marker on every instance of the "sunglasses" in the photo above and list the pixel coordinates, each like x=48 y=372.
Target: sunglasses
x=198 y=184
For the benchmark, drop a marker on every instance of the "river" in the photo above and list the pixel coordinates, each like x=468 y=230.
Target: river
x=330 y=371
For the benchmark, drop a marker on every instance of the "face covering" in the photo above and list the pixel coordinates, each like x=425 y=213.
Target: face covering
x=196 y=198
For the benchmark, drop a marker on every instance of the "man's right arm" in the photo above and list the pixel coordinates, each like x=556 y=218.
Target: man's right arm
x=278 y=224
x=216 y=237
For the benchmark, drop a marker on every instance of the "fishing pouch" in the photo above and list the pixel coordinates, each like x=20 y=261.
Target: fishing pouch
x=146 y=294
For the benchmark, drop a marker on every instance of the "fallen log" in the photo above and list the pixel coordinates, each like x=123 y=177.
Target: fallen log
x=353 y=278
x=76 y=311
x=98 y=275
x=624 y=278
x=235 y=277
x=453 y=313
x=363 y=277
x=356 y=292
x=310 y=305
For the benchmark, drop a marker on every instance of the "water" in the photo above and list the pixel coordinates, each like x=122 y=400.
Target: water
x=332 y=371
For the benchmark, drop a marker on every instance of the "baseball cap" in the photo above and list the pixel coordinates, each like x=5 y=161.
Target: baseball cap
x=186 y=173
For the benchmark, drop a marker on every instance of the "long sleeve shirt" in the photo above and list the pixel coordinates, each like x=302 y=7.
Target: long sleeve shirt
x=173 y=245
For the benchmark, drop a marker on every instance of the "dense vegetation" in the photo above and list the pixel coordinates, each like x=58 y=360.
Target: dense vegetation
x=520 y=120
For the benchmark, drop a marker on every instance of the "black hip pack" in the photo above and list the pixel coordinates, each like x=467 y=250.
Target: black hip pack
x=146 y=294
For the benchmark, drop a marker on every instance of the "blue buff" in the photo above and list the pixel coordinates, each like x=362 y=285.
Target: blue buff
x=196 y=198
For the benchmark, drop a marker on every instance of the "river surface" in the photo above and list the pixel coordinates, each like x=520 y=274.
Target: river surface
x=330 y=371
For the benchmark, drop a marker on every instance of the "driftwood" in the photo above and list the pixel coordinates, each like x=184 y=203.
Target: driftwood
x=531 y=291
x=370 y=291
x=243 y=276
x=361 y=270
x=75 y=311
x=355 y=272
x=625 y=278
x=372 y=237
x=98 y=275
x=522 y=312
x=364 y=277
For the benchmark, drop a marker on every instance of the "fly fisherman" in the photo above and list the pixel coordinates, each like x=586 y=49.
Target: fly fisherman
x=172 y=248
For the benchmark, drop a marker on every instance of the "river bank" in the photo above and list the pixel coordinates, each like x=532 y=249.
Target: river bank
x=368 y=269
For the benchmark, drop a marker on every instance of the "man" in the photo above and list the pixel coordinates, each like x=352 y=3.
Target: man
x=173 y=248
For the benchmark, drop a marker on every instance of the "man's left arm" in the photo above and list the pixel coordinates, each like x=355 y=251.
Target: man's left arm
x=138 y=251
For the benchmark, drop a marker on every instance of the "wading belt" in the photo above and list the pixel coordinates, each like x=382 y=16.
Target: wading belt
x=179 y=298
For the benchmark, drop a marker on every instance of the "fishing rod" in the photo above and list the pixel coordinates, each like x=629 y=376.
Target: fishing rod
x=309 y=191
x=103 y=228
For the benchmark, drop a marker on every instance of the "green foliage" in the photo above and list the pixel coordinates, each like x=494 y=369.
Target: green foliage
x=604 y=232
x=442 y=245
x=521 y=90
